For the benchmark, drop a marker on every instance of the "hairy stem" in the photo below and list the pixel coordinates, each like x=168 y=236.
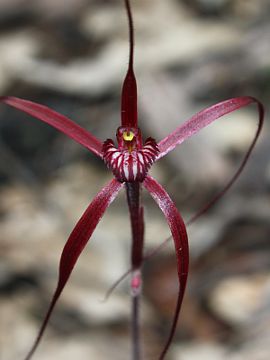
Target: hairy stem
x=137 y=231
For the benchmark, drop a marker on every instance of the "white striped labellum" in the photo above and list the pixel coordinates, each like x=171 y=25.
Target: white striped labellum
x=131 y=160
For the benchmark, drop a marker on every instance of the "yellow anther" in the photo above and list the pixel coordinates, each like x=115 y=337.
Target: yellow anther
x=128 y=135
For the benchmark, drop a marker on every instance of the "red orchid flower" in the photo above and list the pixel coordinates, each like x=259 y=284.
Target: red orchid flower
x=130 y=162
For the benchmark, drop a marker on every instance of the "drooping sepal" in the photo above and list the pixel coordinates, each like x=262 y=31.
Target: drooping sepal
x=129 y=165
x=180 y=238
x=75 y=244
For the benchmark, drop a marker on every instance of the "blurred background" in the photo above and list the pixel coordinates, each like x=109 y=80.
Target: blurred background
x=71 y=55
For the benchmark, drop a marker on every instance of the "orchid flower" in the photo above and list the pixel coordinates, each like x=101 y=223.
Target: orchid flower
x=130 y=161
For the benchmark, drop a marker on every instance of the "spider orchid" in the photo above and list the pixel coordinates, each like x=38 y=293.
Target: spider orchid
x=130 y=161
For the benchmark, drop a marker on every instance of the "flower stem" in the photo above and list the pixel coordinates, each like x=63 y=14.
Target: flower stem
x=136 y=350
x=137 y=224
x=137 y=230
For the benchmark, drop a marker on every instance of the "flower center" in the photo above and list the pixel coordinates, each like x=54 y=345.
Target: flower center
x=131 y=160
x=128 y=135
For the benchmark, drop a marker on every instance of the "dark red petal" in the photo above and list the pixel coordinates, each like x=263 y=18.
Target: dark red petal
x=130 y=166
x=129 y=115
x=76 y=243
x=227 y=186
x=179 y=234
x=129 y=101
x=58 y=121
x=204 y=118
x=206 y=207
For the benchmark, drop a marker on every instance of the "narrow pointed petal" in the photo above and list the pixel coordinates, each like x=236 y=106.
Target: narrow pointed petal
x=208 y=205
x=129 y=101
x=235 y=176
x=129 y=112
x=204 y=118
x=75 y=245
x=58 y=121
x=179 y=234
x=225 y=188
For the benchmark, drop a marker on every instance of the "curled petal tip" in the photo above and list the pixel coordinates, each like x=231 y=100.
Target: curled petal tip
x=204 y=118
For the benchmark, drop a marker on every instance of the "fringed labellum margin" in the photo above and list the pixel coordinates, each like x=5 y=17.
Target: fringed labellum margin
x=131 y=161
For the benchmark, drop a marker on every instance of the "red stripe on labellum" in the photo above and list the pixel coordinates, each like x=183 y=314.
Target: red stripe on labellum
x=130 y=166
